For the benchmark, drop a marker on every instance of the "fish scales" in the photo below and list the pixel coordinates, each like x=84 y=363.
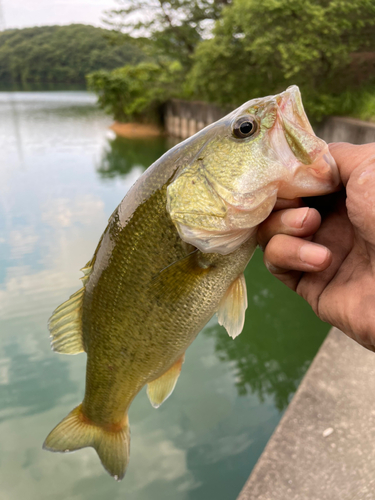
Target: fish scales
x=133 y=349
x=172 y=255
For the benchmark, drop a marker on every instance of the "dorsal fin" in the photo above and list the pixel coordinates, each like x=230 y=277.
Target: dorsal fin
x=86 y=271
x=65 y=324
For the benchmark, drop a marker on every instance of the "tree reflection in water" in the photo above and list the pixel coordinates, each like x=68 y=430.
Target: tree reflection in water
x=280 y=336
x=121 y=155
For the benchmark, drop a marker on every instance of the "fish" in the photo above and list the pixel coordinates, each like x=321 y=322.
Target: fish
x=172 y=255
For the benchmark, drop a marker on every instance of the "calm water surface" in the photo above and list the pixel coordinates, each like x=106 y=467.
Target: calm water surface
x=62 y=173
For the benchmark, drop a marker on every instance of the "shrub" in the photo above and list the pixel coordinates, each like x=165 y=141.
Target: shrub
x=136 y=92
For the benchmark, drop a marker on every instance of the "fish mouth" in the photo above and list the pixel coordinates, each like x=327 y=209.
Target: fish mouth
x=312 y=168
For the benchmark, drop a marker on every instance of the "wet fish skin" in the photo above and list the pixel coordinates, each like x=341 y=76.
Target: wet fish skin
x=172 y=255
x=143 y=305
x=168 y=294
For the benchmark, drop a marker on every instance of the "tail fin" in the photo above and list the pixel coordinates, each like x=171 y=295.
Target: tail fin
x=74 y=433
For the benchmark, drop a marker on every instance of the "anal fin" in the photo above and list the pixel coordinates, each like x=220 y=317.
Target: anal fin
x=231 y=312
x=161 y=388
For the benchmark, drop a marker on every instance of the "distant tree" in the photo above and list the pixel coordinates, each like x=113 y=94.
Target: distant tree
x=60 y=54
x=166 y=28
x=261 y=47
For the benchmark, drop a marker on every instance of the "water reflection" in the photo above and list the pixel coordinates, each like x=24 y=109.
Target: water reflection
x=29 y=385
x=121 y=155
x=55 y=201
x=274 y=350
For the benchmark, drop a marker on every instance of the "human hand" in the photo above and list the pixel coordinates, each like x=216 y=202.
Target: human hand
x=330 y=260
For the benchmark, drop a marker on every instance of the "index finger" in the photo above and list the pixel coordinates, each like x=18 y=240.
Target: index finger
x=349 y=156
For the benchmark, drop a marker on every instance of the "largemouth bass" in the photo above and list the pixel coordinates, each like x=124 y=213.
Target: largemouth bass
x=172 y=255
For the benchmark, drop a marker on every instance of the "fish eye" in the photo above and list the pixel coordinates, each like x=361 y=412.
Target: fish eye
x=243 y=127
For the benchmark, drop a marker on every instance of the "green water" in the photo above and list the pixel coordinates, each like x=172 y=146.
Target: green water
x=61 y=175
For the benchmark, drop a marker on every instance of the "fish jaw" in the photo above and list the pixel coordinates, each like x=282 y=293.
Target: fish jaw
x=312 y=168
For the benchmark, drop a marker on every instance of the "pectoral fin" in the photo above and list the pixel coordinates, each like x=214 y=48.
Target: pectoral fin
x=161 y=388
x=231 y=312
x=179 y=278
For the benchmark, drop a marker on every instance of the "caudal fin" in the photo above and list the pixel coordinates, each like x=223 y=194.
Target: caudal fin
x=75 y=432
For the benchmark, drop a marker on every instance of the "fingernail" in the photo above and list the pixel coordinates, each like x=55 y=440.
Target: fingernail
x=295 y=218
x=313 y=254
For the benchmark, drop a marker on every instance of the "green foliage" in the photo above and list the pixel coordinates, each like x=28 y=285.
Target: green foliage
x=173 y=28
x=260 y=48
x=59 y=54
x=354 y=103
x=136 y=92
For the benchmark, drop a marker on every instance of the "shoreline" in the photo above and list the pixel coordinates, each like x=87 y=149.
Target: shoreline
x=136 y=130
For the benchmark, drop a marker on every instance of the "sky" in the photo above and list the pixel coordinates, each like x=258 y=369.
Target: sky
x=22 y=13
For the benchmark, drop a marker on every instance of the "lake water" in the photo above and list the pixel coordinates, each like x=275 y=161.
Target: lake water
x=62 y=173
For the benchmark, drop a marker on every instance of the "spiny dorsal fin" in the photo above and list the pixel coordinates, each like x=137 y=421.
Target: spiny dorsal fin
x=65 y=323
x=161 y=388
x=231 y=312
x=86 y=272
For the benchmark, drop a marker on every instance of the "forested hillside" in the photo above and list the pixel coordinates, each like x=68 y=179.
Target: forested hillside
x=60 y=54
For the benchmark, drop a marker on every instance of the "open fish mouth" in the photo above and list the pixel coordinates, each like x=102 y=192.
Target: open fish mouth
x=312 y=167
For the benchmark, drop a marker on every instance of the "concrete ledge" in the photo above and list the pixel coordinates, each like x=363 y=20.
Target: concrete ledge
x=324 y=446
x=341 y=129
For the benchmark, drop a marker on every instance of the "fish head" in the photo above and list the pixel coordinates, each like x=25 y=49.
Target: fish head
x=264 y=150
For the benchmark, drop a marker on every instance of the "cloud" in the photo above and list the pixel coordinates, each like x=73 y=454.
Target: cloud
x=63 y=212
x=22 y=242
x=26 y=291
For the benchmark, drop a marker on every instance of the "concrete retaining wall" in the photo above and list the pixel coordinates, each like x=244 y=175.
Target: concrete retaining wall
x=184 y=118
x=324 y=446
x=340 y=129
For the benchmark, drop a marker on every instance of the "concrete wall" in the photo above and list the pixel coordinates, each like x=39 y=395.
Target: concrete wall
x=340 y=129
x=324 y=446
x=184 y=118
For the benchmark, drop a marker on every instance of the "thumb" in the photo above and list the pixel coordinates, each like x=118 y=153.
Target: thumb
x=349 y=156
x=360 y=200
